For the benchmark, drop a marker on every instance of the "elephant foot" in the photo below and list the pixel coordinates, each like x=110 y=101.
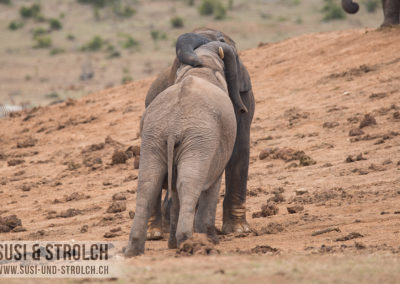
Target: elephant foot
x=154 y=231
x=131 y=252
x=236 y=222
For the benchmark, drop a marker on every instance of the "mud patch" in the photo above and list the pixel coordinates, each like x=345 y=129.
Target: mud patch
x=198 y=244
x=268 y=209
x=9 y=223
x=368 y=120
x=353 y=235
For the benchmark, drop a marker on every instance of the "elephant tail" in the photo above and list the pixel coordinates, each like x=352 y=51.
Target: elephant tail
x=350 y=7
x=170 y=160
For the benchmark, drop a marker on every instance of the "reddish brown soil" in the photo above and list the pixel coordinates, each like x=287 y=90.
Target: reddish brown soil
x=311 y=92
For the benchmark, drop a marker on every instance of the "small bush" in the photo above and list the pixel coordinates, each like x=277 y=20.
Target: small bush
x=97 y=3
x=70 y=37
x=15 y=25
x=158 y=35
x=371 y=5
x=206 y=7
x=124 y=12
x=56 y=50
x=7 y=2
x=210 y=7
x=190 y=2
x=126 y=79
x=112 y=52
x=332 y=11
x=43 y=42
x=130 y=42
x=55 y=24
x=39 y=31
x=30 y=12
x=95 y=44
x=177 y=22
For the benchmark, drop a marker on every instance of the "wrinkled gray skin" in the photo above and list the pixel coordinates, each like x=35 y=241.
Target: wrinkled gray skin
x=391 y=10
x=188 y=132
x=236 y=172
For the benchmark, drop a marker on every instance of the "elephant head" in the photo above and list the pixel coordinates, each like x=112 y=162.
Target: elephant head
x=350 y=7
x=237 y=77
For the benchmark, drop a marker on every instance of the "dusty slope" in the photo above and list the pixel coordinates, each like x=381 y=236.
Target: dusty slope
x=310 y=92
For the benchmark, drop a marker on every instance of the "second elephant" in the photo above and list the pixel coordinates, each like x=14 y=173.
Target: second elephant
x=391 y=10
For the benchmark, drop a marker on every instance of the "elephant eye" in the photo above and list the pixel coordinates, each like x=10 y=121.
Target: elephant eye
x=221 y=39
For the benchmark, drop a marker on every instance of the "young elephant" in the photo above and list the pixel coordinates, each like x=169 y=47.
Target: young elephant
x=188 y=132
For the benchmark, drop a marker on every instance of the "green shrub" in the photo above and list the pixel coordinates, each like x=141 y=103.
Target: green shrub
x=158 y=35
x=177 y=22
x=97 y=3
x=56 y=50
x=126 y=79
x=371 y=5
x=52 y=95
x=210 y=7
x=190 y=2
x=332 y=11
x=219 y=11
x=15 y=25
x=7 y=2
x=129 y=42
x=43 y=42
x=95 y=44
x=70 y=37
x=124 y=12
x=206 y=7
x=39 y=31
x=30 y=12
x=55 y=24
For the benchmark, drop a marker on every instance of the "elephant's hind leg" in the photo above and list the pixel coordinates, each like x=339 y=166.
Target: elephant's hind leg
x=391 y=12
x=151 y=174
x=205 y=215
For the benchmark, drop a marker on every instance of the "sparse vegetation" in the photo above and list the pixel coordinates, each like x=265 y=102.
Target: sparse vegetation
x=123 y=11
x=42 y=41
x=371 y=5
x=56 y=50
x=213 y=7
x=32 y=11
x=95 y=44
x=7 y=2
x=177 y=22
x=158 y=35
x=332 y=11
x=39 y=31
x=55 y=24
x=126 y=79
x=129 y=42
x=70 y=37
x=15 y=25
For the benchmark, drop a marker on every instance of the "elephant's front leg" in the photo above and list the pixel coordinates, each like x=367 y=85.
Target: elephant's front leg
x=236 y=172
x=391 y=11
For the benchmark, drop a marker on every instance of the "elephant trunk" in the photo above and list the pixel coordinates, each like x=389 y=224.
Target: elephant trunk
x=185 y=46
x=350 y=7
x=232 y=78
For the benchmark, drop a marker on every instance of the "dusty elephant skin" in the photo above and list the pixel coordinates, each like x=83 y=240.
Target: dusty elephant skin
x=236 y=172
x=188 y=133
x=391 y=10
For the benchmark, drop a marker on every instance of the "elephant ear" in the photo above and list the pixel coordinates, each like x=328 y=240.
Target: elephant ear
x=243 y=77
x=350 y=7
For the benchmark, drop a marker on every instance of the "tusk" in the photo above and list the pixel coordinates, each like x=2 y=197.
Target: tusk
x=221 y=52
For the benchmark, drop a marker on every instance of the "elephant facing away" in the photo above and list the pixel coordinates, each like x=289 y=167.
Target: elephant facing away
x=391 y=10
x=188 y=133
x=236 y=171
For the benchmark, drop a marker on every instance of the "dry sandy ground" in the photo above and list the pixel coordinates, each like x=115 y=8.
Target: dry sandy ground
x=311 y=92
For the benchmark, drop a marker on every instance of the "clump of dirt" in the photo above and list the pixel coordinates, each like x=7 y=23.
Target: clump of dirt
x=324 y=231
x=353 y=72
x=131 y=214
x=268 y=209
x=295 y=115
x=15 y=162
x=93 y=147
x=351 y=159
x=330 y=124
x=295 y=209
x=94 y=162
x=396 y=115
x=133 y=151
x=75 y=196
x=271 y=228
x=119 y=196
x=117 y=206
x=335 y=193
x=277 y=198
x=353 y=235
x=2 y=156
x=198 y=244
x=84 y=229
x=264 y=249
x=29 y=142
x=69 y=213
x=119 y=157
x=367 y=121
x=377 y=96
x=9 y=223
x=286 y=154
x=136 y=162
x=113 y=233
x=356 y=132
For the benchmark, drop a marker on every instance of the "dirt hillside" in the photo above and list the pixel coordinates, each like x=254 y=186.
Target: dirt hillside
x=335 y=96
